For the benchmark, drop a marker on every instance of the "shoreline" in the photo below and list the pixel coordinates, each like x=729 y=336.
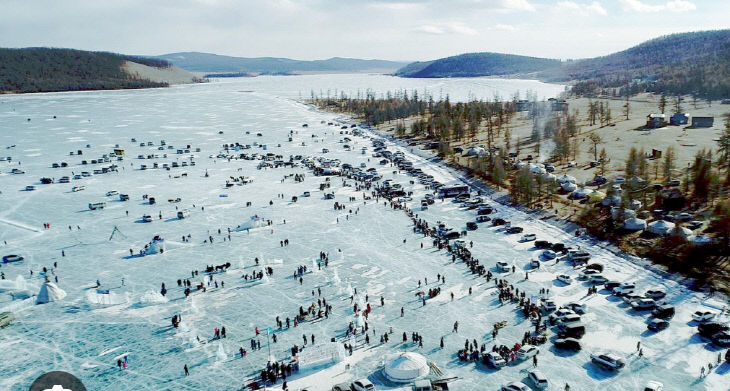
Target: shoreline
x=566 y=225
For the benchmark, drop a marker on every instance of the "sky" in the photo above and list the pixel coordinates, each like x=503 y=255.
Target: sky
x=403 y=30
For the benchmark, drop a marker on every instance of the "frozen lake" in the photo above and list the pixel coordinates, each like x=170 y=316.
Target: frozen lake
x=374 y=251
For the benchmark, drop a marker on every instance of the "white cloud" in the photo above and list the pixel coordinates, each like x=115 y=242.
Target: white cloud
x=638 y=6
x=681 y=6
x=516 y=5
x=505 y=27
x=430 y=29
x=585 y=9
x=447 y=28
x=672 y=6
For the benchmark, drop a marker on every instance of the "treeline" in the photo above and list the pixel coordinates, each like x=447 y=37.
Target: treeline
x=689 y=63
x=48 y=69
x=436 y=120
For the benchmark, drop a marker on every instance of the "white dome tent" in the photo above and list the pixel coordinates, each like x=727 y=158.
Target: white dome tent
x=660 y=227
x=405 y=367
x=568 y=186
x=50 y=292
x=634 y=224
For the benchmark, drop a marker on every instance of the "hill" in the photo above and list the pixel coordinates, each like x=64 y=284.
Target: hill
x=50 y=69
x=686 y=63
x=207 y=62
x=478 y=64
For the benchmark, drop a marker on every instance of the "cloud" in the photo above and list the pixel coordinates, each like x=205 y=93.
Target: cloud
x=516 y=5
x=430 y=29
x=638 y=6
x=672 y=6
x=447 y=28
x=681 y=6
x=593 y=8
x=505 y=27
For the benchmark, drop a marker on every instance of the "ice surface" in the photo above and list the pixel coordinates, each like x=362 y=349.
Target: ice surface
x=84 y=335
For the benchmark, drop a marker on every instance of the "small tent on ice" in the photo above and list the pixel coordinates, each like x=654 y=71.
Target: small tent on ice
x=50 y=292
x=253 y=222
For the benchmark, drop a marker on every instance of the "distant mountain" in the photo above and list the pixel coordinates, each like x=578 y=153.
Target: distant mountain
x=478 y=64
x=49 y=69
x=687 y=63
x=207 y=62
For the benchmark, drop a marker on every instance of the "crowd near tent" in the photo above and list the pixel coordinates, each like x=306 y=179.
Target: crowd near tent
x=50 y=292
x=405 y=367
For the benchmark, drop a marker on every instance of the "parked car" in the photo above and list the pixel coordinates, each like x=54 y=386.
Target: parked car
x=595 y=266
x=470 y=225
x=642 y=304
x=548 y=306
x=549 y=254
x=514 y=230
x=503 y=266
x=567 y=344
x=624 y=288
x=657 y=324
x=515 y=386
x=538 y=379
x=564 y=278
x=499 y=221
x=567 y=319
x=527 y=351
x=559 y=248
x=598 y=279
x=578 y=308
x=560 y=314
x=542 y=244
x=528 y=237
x=572 y=330
x=587 y=273
x=664 y=311
x=703 y=316
x=709 y=329
x=608 y=361
x=341 y=387
x=654 y=386
x=494 y=360
x=628 y=298
x=362 y=385
x=655 y=294
x=611 y=284
x=721 y=338
x=483 y=219
x=12 y=258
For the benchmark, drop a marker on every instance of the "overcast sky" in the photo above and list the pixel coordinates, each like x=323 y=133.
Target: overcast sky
x=385 y=29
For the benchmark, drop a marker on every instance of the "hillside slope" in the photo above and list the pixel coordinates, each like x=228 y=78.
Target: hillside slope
x=687 y=63
x=207 y=62
x=50 y=69
x=478 y=64
x=697 y=62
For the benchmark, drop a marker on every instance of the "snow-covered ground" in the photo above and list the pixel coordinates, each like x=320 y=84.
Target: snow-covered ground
x=374 y=251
